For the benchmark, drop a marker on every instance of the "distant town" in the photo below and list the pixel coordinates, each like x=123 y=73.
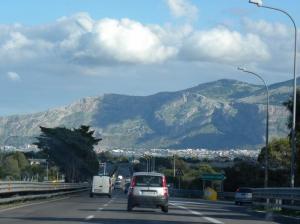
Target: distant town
x=219 y=158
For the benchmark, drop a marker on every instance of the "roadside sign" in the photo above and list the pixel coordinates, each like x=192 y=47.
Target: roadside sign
x=212 y=177
x=179 y=172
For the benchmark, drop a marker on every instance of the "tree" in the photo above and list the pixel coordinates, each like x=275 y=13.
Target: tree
x=14 y=165
x=72 y=150
x=279 y=154
x=243 y=174
x=22 y=160
x=11 y=168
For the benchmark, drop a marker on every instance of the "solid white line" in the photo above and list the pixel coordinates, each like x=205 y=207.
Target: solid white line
x=212 y=220
x=31 y=204
x=89 y=217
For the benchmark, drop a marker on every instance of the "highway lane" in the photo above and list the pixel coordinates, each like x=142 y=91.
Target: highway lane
x=82 y=209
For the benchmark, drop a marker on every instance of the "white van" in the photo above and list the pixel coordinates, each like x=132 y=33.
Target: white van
x=101 y=186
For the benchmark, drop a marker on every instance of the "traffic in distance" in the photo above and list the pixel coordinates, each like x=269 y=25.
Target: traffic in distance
x=165 y=112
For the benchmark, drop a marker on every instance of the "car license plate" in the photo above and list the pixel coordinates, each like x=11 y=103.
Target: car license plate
x=148 y=193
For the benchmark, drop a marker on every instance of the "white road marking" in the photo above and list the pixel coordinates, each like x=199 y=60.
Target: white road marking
x=100 y=209
x=106 y=204
x=198 y=203
x=31 y=204
x=212 y=220
x=89 y=217
x=187 y=202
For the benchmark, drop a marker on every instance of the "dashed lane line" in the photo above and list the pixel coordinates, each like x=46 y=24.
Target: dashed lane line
x=99 y=209
x=212 y=220
x=89 y=217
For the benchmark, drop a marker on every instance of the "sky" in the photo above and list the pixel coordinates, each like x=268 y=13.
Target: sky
x=53 y=53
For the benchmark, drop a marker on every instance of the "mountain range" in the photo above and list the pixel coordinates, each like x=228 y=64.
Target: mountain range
x=216 y=115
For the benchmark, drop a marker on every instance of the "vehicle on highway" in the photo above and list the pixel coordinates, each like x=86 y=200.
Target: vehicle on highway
x=243 y=195
x=119 y=184
x=101 y=186
x=148 y=189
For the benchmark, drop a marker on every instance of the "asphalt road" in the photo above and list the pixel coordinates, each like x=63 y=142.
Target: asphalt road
x=82 y=209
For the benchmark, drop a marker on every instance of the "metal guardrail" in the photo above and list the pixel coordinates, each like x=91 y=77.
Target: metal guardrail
x=270 y=198
x=37 y=196
x=7 y=187
x=277 y=198
x=198 y=194
x=226 y=195
x=185 y=193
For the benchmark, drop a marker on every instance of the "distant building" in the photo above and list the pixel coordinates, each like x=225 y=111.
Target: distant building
x=37 y=161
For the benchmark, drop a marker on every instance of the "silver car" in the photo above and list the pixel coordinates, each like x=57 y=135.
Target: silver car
x=148 y=189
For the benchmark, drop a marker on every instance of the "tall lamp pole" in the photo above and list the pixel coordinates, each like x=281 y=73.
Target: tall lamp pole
x=267 y=125
x=174 y=165
x=259 y=4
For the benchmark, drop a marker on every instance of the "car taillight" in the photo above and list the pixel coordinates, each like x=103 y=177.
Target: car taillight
x=164 y=181
x=132 y=185
x=165 y=188
x=237 y=190
x=133 y=182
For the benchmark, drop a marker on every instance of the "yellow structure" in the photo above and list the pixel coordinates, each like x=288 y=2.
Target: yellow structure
x=210 y=194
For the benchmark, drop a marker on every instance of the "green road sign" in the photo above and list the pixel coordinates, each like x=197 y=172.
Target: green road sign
x=217 y=176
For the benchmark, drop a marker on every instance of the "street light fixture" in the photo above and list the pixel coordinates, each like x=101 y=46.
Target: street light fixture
x=256 y=2
x=267 y=125
x=260 y=4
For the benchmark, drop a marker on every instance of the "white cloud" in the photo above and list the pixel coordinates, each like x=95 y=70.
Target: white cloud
x=267 y=29
x=124 y=41
x=80 y=43
x=183 y=8
x=280 y=41
x=13 y=76
x=223 y=45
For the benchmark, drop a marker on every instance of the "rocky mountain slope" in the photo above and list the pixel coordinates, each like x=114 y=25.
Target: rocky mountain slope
x=220 y=114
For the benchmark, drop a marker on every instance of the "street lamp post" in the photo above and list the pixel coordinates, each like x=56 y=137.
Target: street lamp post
x=174 y=165
x=267 y=125
x=47 y=170
x=153 y=167
x=147 y=162
x=260 y=4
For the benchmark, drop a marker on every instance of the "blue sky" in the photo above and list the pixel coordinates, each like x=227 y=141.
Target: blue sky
x=55 y=52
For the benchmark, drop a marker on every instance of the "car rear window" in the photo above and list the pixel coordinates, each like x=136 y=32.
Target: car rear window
x=245 y=190
x=149 y=181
